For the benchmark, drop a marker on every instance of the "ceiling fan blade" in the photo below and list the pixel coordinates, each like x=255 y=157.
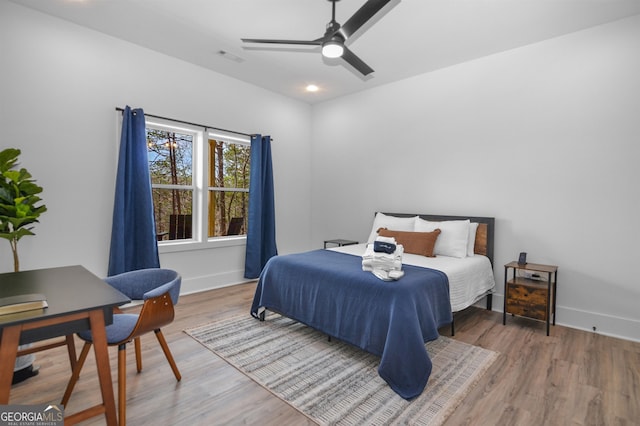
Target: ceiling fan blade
x=362 y=15
x=356 y=62
x=305 y=42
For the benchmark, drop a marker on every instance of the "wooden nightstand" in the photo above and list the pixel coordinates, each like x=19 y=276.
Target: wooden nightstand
x=530 y=297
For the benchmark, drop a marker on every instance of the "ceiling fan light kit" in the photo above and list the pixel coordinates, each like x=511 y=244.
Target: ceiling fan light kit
x=333 y=48
x=335 y=36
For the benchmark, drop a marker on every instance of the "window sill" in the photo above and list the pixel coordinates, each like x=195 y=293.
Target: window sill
x=220 y=242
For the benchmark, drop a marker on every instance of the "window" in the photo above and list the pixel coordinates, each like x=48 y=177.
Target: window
x=170 y=166
x=200 y=189
x=228 y=187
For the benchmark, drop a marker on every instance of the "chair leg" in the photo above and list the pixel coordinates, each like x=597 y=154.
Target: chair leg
x=75 y=375
x=71 y=348
x=122 y=384
x=136 y=343
x=167 y=353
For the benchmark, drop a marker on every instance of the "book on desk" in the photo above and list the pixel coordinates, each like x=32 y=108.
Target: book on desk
x=22 y=303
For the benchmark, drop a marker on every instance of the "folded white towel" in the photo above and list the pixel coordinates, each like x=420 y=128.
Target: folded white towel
x=390 y=240
x=388 y=275
x=386 y=266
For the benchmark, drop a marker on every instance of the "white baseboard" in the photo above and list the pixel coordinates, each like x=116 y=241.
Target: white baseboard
x=211 y=282
x=608 y=325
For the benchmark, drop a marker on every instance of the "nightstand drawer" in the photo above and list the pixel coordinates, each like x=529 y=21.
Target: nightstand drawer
x=527 y=301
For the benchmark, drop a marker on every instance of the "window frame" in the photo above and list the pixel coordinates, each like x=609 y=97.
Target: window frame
x=199 y=185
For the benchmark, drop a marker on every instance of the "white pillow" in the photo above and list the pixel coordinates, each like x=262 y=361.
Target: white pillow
x=391 y=222
x=453 y=237
x=471 y=243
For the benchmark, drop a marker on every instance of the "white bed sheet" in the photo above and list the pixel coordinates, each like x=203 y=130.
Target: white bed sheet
x=470 y=278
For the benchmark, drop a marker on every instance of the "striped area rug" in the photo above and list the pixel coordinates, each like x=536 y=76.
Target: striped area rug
x=334 y=383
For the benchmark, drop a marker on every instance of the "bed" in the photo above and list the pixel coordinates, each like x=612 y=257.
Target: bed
x=329 y=291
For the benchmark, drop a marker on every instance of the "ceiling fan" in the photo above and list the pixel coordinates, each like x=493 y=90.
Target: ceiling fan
x=333 y=40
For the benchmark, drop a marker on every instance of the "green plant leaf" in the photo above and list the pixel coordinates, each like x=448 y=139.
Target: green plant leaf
x=8 y=159
x=28 y=187
x=12 y=175
x=6 y=236
x=37 y=211
x=24 y=231
x=6 y=194
x=25 y=176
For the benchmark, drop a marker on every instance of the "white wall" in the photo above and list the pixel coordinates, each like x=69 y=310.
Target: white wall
x=541 y=137
x=59 y=86
x=544 y=138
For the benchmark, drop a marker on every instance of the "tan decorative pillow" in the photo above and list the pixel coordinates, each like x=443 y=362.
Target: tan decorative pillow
x=421 y=243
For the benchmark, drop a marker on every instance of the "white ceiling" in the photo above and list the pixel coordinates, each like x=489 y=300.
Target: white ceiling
x=406 y=38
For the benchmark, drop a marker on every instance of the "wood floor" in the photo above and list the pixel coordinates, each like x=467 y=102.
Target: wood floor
x=569 y=378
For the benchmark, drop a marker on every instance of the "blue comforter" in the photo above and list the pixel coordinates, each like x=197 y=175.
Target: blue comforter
x=329 y=291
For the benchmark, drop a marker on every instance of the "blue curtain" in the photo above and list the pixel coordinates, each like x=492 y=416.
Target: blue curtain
x=133 y=235
x=261 y=235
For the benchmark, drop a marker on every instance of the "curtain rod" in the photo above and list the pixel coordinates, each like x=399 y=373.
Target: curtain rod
x=191 y=124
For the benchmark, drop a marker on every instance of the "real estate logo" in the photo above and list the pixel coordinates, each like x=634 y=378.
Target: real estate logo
x=31 y=415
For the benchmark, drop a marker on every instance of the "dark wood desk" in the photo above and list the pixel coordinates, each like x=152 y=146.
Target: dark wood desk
x=78 y=300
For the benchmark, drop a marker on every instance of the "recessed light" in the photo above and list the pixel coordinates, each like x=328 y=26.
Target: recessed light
x=312 y=88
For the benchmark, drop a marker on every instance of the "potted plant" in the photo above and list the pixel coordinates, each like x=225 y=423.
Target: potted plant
x=18 y=199
x=18 y=210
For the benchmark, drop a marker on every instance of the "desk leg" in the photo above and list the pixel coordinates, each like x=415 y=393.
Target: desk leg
x=71 y=349
x=102 y=361
x=8 y=350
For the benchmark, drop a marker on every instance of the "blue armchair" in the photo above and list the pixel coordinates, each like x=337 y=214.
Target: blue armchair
x=159 y=289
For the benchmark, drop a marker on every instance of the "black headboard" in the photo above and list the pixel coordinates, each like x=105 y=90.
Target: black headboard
x=484 y=235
